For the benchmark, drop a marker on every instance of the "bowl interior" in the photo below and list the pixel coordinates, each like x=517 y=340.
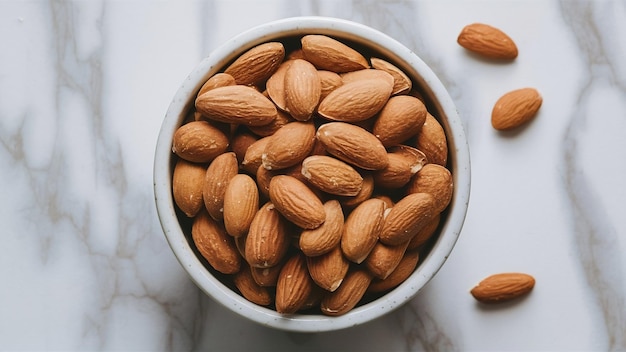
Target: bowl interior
x=372 y=43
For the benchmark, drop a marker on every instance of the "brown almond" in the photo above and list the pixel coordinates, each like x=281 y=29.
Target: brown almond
x=367 y=73
x=267 y=241
x=240 y=143
x=294 y=285
x=407 y=218
x=187 y=184
x=249 y=289
x=329 y=269
x=330 y=54
x=296 y=202
x=236 y=104
x=281 y=120
x=435 y=180
x=425 y=233
x=199 y=142
x=220 y=79
x=432 y=141
x=331 y=175
x=327 y=236
x=487 y=41
x=217 y=176
x=275 y=85
x=397 y=174
x=367 y=189
x=356 y=101
x=503 y=287
x=384 y=259
x=215 y=245
x=403 y=270
x=361 y=230
x=302 y=89
x=401 y=118
x=329 y=81
x=266 y=277
x=353 y=144
x=348 y=294
x=253 y=158
x=515 y=108
x=402 y=84
x=289 y=145
x=257 y=64
x=241 y=202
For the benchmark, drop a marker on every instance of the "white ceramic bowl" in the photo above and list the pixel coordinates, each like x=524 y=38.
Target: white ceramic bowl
x=442 y=107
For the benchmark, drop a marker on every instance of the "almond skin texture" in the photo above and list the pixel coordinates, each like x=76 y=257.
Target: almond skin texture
x=402 y=84
x=367 y=189
x=332 y=175
x=215 y=245
x=425 y=233
x=266 y=277
x=217 y=80
x=236 y=104
x=275 y=86
x=407 y=218
x=401 y=118
x=348 y=294
x=397 y=174
x=294 y=285
x=515 y=108
x=267 y=241
x=329 y=81
x=361 y=230
x=241 y=202
x=289 y=145
x=356 y=101
x=281 y=120
x=435 y=180
x=487 y=41
x=353 y=144
x=432 y=141
x=329 y=269
x=219 y=173
x=240 y=143
x=384 y=259
x=257 y=64
x=330 y=54
x=302 y=89
x=199 y=142
x=327 y=236
x=296 y=202
x=503 y=287
x=187 y=184
x=367 y=74
x=404 y=269
x=248 y=288
x=253 y=157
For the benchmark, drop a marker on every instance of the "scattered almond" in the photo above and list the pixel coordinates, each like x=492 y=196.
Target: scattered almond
x=503 y=287
x=487 y=41
x=515 y=108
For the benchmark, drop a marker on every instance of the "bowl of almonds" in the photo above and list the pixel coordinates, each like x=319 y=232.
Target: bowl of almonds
x=312 y=174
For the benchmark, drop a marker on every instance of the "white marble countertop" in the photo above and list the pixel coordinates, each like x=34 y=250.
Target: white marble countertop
x=84 y=86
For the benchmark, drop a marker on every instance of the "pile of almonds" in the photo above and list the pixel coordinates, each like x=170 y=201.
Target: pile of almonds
x=312 y=173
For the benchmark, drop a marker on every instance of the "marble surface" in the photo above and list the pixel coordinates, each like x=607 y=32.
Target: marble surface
x=84 y=86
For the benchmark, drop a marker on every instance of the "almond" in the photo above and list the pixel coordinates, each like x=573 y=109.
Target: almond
x=281 y=120
x=401 y=118
x=249 y=289
x=332 y=175
x=236 y=104
x=425 y=233
x=266 y=277
x=327 y=236
x=402 y=84
x=432 y=141
x=294 y=285
x=353 y=144
x=217 y=80
x=503 y=287
x=397 y=174
x=215 y=245
x=367 y=73
x=356 y=101
x=253 y=157
x=515 y=108
x=187 y=184
x=329 y=81
x=403 y=270
x=296 y=202
x=240 y=143
x=367 y=189
x=435 y=180
x=302 y=89
x=329 y=269
x=219 y=173
x=275 y=86
x=241 y=202
x=289 y=145
x=199 y=142
x=487 y=41
x=267 y=241
x=361 y=230
x=384 y=259
x=348 y=294
x=257 y=64
x=407 y=218
x=330 y=54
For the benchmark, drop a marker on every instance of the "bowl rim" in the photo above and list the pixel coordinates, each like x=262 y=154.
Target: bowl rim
x=177 y=241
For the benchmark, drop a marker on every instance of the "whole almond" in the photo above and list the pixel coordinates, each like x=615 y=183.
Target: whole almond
x=266 y=277
x=401 y=118
x=435 y=180
x=425 y=233
x=327 y=236
x=384 y=259
x=199 y=142
x=397 y=174
x=219 y=173
x=487 y=41
x=331 y=175
x=253 y=157
x=249 y=289
x=187 y=184
x=329 y=269
x=294 y=285
x=407 y=217
x=220 y=79
x=329 y=81
x=267 y=241
x=353 y=144
x=330 y=54
x=503 y=287
x=241 y=202
x=302 y=89
x=257 y=64
x=215 y=245
x=296 y=202
x=356 y=101
x=348 y=294
x=361 y=230
x=236 y=104
x=275 y=85
x=403 y=270
x=432 y=141
x=402 y=84
x=515 y=108
x=289 y=145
